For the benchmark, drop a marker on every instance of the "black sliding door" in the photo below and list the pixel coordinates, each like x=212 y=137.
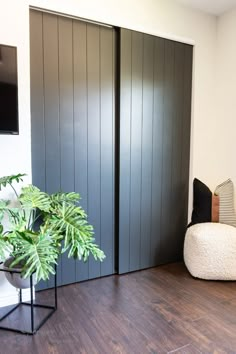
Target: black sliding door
x=72 y=107
x=155 y=111
x=124 y=149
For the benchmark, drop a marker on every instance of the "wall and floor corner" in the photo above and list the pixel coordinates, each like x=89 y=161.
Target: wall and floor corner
x=163 y=18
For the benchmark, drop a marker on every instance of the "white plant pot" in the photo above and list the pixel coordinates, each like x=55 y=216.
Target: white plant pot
x=16 y=279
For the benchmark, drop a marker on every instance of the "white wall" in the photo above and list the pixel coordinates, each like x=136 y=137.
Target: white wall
x=15 y=150
x=225 y=119
x=160 y=17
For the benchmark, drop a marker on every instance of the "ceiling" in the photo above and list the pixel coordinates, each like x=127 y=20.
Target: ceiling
x=214 y=7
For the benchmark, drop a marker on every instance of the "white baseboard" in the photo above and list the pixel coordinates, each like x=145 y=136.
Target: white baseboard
x=13 y=297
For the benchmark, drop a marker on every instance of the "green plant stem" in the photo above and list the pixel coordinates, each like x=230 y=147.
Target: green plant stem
x=34 y=219
x=14 y=190
x=29 y=221
x=17 y=196
x=13 y=215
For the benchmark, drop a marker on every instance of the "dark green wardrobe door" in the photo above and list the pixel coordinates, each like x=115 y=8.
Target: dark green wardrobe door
x=155 y=111
x=72 y=109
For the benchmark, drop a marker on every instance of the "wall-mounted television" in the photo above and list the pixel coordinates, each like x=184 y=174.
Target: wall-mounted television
x=8 y=90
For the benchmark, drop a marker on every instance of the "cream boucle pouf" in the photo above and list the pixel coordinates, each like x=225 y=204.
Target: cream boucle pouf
x=210 y=251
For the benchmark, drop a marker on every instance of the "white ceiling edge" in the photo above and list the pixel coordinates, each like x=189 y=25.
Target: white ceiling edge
x=212 y=7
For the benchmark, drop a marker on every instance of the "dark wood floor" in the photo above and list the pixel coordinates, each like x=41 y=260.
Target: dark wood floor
x=160 y=310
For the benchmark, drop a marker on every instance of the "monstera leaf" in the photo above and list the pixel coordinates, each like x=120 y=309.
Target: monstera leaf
x=5 y=247
x=60 y=197
x=70 y=221
x=41 y=227
x=32 y=198
x=8 y=180
x=39 y=253
x=3 y=207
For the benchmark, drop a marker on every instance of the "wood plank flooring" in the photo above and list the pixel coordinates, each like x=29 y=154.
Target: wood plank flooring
x=159 y=310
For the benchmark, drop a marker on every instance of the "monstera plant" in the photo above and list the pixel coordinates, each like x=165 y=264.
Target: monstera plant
x=38 y=227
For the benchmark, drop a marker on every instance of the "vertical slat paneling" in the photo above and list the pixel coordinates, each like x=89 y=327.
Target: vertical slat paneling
x=177 y=209
x=51 y=103
x=166 y=236
x=76 y=79
x=37 y=104
x=125 y=141
x=94 y=142
x=66 y=103
x=157 y=147
x=147 y=153
x=186 y=125
x=65 y=60
x=81 y=124
x=37 y=98
x=74 y=84
x=136 y=151
x=152 y=171
x=107 y=149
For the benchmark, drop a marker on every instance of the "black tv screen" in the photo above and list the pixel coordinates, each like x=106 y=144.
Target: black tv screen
x=8 y=90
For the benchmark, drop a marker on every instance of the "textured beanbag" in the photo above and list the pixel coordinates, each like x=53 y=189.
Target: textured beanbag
x=210 y=251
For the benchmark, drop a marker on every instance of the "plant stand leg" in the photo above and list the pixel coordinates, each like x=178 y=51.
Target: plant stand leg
x=55 y=287
x=33 y=328
x=32 y=304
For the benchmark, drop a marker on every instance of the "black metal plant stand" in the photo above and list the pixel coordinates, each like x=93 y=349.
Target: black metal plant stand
x=33 y=327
